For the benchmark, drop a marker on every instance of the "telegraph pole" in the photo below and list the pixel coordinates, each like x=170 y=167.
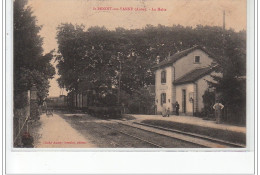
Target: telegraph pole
x=224 y=25
x=223 y=48
x=224 y=52
x=224 y=28
x=119 y=83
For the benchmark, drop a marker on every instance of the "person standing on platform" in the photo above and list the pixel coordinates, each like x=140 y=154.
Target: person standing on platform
x=168 y=112
x=177 y=107
x=164 y=111
x=218 y=109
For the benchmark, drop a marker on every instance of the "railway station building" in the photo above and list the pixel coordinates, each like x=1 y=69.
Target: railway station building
x=183 y=77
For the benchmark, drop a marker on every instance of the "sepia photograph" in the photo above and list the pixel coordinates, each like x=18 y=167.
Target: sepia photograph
x=130 y=74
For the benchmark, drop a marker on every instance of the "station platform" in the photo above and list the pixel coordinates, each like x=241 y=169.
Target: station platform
x=192 y=120
x=236 y=134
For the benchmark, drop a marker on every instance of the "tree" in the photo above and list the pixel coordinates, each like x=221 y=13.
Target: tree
x=30 y=65
x=71 y=51
x=99 y=56
x=85 y=56
x=232 y=85
x=208 y=101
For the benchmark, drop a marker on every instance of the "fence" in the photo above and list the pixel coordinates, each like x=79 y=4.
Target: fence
x=20 y=120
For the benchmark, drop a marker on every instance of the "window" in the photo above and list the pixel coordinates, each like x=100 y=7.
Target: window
x=163 y=77
x=163 y=98
x=197 y=59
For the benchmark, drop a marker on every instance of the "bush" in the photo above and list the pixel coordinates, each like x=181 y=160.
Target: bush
x=208 y=101
x=133 y=108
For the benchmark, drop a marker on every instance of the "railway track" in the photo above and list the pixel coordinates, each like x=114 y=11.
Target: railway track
x=133 y=136
x=130 y=129
x=234 y=145
x=170 y=140
x=146 y=135
x=194 y=138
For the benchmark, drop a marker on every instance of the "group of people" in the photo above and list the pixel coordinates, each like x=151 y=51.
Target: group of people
x=217 y=107
x=166 y=112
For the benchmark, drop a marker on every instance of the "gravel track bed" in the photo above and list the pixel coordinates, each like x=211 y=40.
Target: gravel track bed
x=102 y=136
x=94 y=130
x=95 y=133
x=161 y=140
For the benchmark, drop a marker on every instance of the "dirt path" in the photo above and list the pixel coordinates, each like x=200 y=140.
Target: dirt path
x=55 y=132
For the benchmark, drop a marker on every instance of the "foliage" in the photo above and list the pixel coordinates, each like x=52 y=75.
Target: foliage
x=141 y=102
x=208 y=101
x=101 y=57
x=232 y=85
x=30 y=65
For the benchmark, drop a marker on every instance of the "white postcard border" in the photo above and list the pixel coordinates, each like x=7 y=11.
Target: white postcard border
x=102 y=161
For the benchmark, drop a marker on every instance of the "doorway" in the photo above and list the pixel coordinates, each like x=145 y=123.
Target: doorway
x=184 y=100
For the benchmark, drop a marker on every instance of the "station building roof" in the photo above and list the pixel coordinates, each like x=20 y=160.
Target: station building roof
x=172 y=59
x=194 y=75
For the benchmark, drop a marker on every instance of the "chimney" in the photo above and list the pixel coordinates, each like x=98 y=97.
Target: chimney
x=157 y=59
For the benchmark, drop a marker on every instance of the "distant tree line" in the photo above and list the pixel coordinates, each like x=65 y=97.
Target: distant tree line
x=97 y=56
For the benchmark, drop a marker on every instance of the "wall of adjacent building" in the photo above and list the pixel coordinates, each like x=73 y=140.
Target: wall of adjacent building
x=187 y=63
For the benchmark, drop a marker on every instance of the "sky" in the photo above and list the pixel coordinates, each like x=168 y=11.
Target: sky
x=130 y=14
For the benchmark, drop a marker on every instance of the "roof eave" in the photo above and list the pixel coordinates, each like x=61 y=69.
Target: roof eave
x=161 y=66
x=181 y=83
x=199 y=77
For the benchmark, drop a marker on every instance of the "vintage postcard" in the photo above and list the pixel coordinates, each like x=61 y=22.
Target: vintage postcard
x=130 y=74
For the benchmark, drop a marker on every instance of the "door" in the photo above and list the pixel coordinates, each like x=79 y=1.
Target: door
x=183 y=100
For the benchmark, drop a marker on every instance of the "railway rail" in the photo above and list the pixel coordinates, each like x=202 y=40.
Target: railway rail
x=195 y=138
x=135 y=134
x=144 y=140
x=136 y=137
x=223 y=142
